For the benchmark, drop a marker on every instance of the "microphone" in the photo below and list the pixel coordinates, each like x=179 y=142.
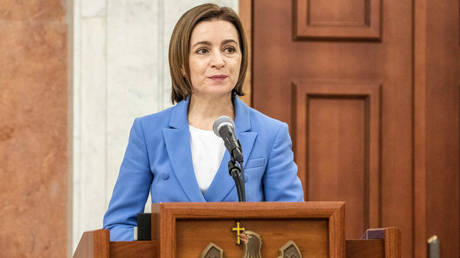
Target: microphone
x=225 y=129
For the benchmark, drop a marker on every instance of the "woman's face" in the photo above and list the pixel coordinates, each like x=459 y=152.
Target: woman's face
x=215 y=58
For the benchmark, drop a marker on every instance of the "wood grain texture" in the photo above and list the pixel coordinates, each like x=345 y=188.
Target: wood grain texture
x=279 y=60
x=417 y=59
x=420 y=134
x=134 y=249
x=311 y=231
x=190 y=226
x=365 y=248
x=94 y=244
x=336 y=125
x=349 y=20
x=437 y=116
x=443 y=125
x=392 y=242
x=194 y=235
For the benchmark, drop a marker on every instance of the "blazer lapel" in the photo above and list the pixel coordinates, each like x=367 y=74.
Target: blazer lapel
x=177 y=140
x=243 y=128
x=223 y=183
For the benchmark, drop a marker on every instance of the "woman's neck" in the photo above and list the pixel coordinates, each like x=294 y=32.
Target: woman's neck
x=202 y=112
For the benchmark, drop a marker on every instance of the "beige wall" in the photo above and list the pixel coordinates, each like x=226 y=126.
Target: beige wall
x=121 y=72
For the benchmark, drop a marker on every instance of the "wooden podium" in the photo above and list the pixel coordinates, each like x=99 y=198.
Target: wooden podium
x=187 y=229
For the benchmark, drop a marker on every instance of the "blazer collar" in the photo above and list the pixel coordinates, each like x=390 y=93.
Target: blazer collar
x=242 y=120
x=178 y=118
x=177 y=139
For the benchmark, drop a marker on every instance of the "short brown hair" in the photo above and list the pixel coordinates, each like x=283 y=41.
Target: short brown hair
x=179 y=47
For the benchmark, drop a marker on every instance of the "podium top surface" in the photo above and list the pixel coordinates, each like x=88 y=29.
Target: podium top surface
x=250 y=209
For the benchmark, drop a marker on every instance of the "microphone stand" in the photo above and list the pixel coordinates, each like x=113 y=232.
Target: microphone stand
x=237 y=174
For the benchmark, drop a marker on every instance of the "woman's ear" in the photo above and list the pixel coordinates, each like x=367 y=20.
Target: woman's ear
x=182 y=70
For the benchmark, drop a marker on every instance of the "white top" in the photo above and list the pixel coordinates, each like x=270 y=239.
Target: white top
x=208 y=151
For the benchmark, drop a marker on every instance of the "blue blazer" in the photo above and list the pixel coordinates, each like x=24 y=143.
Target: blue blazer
x=158 y=159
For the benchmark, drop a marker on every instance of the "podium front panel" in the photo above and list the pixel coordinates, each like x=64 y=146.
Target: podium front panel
x=186 y=229
x=311 y=236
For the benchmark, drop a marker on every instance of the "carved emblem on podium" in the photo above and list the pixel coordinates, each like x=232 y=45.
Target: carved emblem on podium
x=212 y=251
x=290 y=250
x=252 y=245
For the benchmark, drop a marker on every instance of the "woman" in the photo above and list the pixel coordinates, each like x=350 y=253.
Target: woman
x=175 y=155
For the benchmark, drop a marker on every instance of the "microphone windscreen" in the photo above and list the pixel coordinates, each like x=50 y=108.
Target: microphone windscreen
x=220 y=121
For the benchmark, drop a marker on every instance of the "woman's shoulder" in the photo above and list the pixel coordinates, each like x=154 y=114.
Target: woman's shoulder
x=261 y=121
x=258 y=119
x=156 y=120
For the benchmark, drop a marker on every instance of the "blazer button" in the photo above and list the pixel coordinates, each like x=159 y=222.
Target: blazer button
x=165 y=176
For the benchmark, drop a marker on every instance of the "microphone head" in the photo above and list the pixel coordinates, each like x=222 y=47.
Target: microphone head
x=221 y=121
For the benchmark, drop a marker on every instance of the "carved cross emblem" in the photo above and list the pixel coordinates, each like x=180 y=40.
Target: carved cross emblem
x=238 y=230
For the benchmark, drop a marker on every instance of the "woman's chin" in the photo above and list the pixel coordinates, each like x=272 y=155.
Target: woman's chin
x=214 y=94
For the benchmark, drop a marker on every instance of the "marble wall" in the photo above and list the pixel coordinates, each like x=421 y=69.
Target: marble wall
x=33 y=128
x=120 y=68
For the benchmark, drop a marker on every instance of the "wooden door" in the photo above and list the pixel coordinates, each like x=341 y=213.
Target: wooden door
x=340 y=73
x=370 y=89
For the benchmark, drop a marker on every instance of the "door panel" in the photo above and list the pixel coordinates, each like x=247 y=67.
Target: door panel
x=336 y=131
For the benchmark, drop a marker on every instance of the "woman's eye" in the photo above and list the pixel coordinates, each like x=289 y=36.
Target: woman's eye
x=202 y=51
x=230 y=50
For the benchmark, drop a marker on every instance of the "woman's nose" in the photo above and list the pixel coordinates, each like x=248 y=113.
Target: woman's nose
x=217 y=60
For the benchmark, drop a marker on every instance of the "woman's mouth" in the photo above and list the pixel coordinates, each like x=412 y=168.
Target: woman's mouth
x=218 y=77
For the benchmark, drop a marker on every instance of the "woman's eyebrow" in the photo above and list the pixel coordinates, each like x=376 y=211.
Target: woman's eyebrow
x=229 y=41
x=209 y=43
x=202 y=43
